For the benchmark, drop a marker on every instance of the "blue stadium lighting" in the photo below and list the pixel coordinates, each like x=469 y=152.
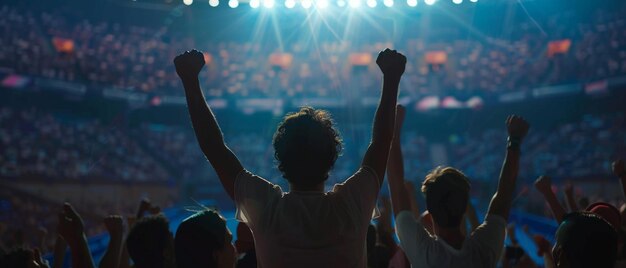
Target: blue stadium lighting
x=371 y=3
x=255 y=3
x=214 y=3
x=430 y=2
x=341 y=3
x=233 y=3
x=354 y=3
x=388 y=3
x=268 y=3
x=322 y=4
x=290 y=4
x=306 y=4
x=188 y=2
x=458 y=2
x=411 y=3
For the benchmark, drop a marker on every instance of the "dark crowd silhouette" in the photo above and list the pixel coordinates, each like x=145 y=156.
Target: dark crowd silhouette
x=306 y=226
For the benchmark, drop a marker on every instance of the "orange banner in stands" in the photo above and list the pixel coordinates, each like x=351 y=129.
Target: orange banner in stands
x=282 y=60
x=63 y=45
x=559 y=47
x=360 y=59
x=436 y=57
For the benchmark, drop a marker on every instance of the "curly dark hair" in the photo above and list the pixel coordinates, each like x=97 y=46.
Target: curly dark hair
x=306 y=146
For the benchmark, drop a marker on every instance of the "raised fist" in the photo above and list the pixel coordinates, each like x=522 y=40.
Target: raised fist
x=71 y=226
x=618 y=168
x=114 y=224
x=516 y=126
x=189 y=64
x=543 y=184
x=391 y=63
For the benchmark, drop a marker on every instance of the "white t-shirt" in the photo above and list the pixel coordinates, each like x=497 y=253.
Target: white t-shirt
x=481 y=249
x=308 y=229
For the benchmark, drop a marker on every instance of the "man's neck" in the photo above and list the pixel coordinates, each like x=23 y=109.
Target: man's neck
x=452 y=236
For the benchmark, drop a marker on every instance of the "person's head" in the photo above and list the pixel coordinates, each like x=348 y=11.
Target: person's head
x=306 y=145
x=203 y=240
x=150 y=242
x=583 y=239
x=607 y=212
x=245 y=240
x=447 y=192
x=19 y=258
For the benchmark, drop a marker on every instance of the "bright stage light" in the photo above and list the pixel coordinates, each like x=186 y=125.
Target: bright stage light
x=411 y=3
x=388 y=3
x=341 y=3
x=371 y=3
x=188 y=2
x=306 y=4
x=458 y=2
x=290 y=3
x=255 y=3
x=322 y=4
x=429 y=2
x=214 y=3
x=354 y=3
x=268 y=3
x=233 y=3
x=473 y=1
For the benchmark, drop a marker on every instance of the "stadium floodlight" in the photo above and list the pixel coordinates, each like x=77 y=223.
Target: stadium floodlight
x=214 y=3
x=430 y=2
x=306 y=4
x=354 y=3
x=458 y=2
x=290 y=3
x=188 y=2
x=322 y=4
x=233 y=3
x=371 y=3
x=268 y=3
x=388 y=3
x=255 y=3
x=411 y=3
x=341 y=3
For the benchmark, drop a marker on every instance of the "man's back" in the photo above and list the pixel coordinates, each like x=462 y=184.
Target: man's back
x=481 y=249
x=308 y=229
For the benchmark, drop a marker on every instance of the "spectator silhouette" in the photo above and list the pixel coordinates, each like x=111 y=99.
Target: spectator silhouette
x=150 y=243
x=203 y=240
x=447 y=194
x=304 y=227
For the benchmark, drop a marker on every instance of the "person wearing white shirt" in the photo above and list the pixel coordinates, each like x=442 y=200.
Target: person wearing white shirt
x=447 y=193
x=304 y=227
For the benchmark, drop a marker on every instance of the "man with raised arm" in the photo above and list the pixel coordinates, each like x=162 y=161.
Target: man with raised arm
x=447 y=193
x=305 y=227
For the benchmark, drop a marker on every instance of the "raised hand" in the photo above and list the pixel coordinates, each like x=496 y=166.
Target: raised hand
x=189 y=64
x=391 y=63
x=618 y=168
x=71 y=226
x=114 y=225
x=543 y=184
x=517 y=127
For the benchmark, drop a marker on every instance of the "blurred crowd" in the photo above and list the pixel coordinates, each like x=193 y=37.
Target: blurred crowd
x=38 y=144
x=102 y=53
